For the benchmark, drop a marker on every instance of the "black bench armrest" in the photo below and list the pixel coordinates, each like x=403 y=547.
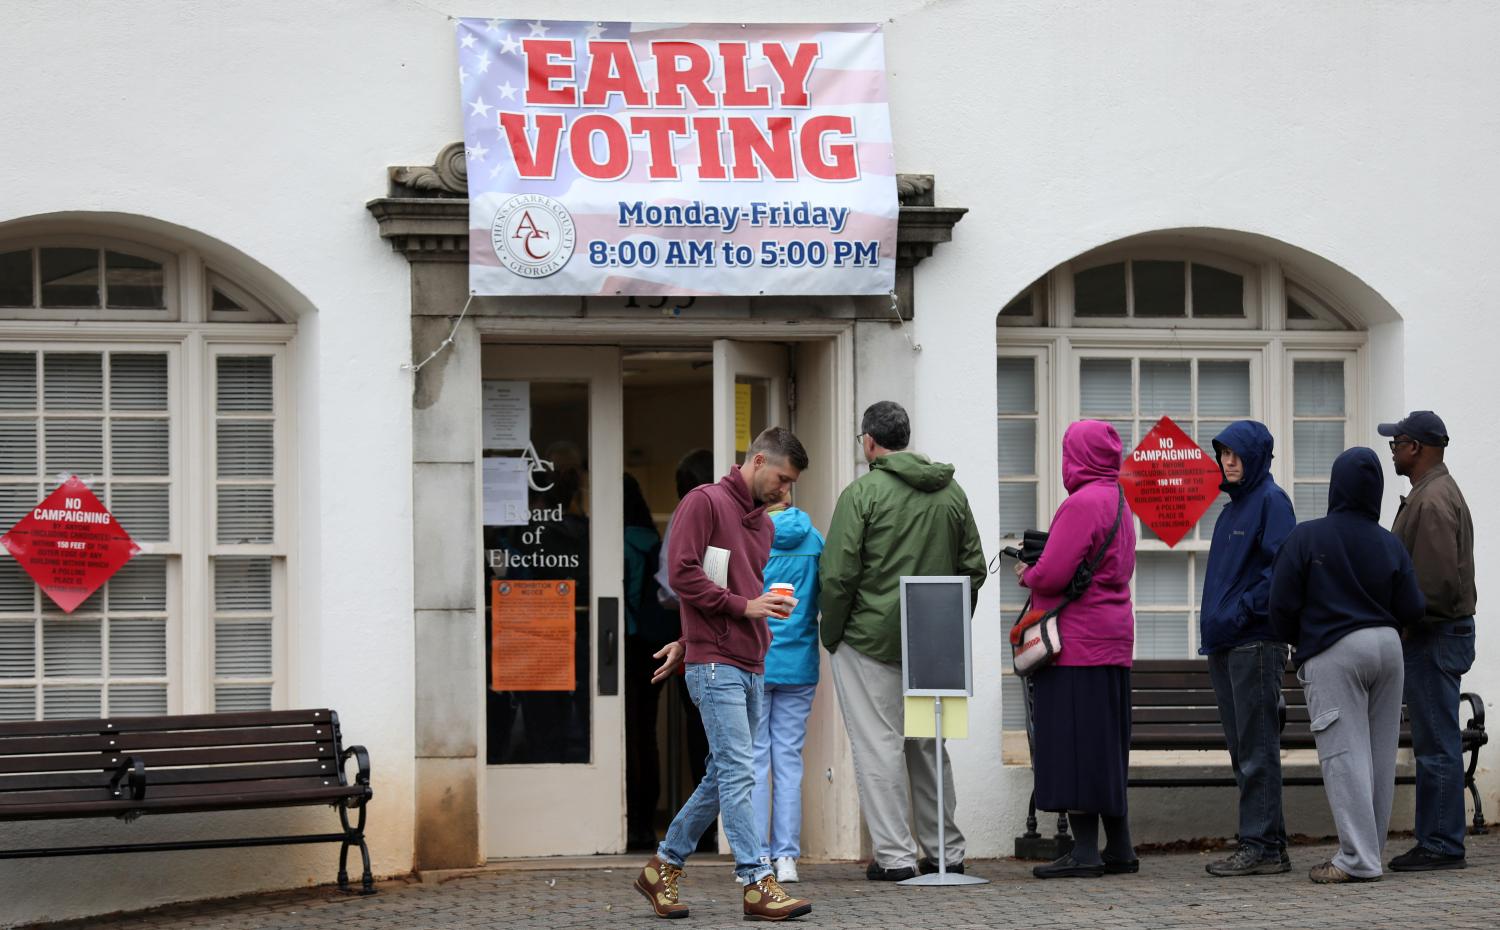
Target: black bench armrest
x=362 y=759
x=1476 y=710
x=134 y=770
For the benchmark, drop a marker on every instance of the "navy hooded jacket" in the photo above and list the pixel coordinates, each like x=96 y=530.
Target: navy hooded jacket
x=1248 y=534
x=1344 y=572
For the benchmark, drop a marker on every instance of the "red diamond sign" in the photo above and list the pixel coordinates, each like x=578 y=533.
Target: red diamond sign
x=1169 y=481
x=70 y=544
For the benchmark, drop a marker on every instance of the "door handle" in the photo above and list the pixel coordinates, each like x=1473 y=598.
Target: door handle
x=609 y=646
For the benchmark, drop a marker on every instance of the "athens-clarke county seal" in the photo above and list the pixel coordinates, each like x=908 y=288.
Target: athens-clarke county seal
x=533 y=235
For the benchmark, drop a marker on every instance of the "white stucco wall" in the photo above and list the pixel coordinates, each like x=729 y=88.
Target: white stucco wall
x=1362 y=132
x=266 y=128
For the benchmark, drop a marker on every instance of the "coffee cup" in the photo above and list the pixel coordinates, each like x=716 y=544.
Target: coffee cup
x=786 y=590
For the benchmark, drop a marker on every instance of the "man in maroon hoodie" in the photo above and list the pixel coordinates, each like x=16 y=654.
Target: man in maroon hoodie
x=724 y=640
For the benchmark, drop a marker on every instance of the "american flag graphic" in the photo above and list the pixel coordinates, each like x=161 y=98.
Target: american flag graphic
x=670 y=159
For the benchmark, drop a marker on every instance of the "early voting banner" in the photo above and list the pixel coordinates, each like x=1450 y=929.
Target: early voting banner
x=662 y=159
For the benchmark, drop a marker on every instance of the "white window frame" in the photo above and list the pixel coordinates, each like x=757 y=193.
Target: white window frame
x=1061 y=281
x=1266 y=338
x=170 y=281
x=192 y=343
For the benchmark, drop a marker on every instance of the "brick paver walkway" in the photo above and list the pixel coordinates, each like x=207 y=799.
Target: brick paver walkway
x=1171 y=890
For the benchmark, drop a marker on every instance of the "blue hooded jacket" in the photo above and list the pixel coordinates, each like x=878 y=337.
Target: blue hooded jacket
x=793 y=656
x=1344 y=572
x=1249 y=531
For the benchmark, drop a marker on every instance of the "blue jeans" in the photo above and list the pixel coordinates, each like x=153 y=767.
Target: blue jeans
x=729 y=700
x=1437 y=655
x=778 y=762
x=1247 y=683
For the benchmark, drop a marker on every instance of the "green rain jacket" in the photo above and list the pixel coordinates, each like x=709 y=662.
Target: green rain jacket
x=906 y=517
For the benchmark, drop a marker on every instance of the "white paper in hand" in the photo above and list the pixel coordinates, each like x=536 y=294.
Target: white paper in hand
x=716 y=565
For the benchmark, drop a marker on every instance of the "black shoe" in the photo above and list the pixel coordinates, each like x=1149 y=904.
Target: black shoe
x=1249 y=860
x=1121 y=866
x=1421 y=859
x=928 y=866
x=1068 y=867
x=876 y=874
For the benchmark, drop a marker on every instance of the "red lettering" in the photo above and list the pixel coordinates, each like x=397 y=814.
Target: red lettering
x=616 y=159
x=541 y=71
x=793 y=73
x=539 y=162
x=612 y=70
x=673 y=76
x=773 y=148
x=737 y=89
x=659 y=132
x=840 y=162
x=710 y=153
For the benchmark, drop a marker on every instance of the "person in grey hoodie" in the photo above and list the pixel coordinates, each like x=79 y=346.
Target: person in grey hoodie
x=1246 y=659
x=1342 y=588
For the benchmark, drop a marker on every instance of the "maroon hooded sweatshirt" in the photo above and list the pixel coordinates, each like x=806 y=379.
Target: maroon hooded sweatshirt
x=714 y=627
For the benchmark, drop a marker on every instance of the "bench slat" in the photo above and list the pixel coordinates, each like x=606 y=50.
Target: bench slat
x=240 y=801
x=214 y=756
x=165 y=739
x=263 y=718
x=287 y=786
x=169 y=776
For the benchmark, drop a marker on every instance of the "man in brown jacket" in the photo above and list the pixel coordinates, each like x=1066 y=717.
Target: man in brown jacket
x=1434 y=525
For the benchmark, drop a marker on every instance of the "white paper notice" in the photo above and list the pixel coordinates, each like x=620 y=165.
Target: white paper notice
x=716 y=565
x=505 y=501
x=507 y=414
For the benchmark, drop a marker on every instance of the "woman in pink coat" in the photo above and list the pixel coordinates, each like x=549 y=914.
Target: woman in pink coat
x=1082 y=700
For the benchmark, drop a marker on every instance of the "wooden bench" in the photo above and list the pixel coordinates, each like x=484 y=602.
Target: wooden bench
x=1172 y=706
x=125 y=767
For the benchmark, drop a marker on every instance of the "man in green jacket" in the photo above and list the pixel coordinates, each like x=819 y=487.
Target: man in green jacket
x=907 y=516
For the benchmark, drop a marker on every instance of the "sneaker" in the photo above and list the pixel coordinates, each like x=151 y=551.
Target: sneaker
x=1249 y=860
x=765 y=900
x=929 y=866
x=1068 y=867
x=1421 y=859
x=1326 y=873
x=658 y=882
x=786 y=870
x=876 y=874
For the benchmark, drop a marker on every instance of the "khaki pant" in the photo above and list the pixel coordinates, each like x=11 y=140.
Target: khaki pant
x=897 y=777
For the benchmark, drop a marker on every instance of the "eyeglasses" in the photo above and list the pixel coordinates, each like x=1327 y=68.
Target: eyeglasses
x=1398 y=443
x=859 y=438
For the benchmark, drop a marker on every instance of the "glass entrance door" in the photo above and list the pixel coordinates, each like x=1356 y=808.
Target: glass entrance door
x=553 y=627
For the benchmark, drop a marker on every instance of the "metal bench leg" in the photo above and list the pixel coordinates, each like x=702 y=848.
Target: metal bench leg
x=354 y=835
x=1479 y=825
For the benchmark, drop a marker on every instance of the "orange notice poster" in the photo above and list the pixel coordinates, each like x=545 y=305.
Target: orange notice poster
x=532 y=636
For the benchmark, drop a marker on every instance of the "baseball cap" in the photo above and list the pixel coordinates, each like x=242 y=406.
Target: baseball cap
x=1424 y=426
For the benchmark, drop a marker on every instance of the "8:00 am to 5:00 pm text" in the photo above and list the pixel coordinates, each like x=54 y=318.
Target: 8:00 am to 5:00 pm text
x=706 y=253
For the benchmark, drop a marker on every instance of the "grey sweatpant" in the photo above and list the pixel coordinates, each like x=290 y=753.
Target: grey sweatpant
x=888 y=767
x=1353 y=693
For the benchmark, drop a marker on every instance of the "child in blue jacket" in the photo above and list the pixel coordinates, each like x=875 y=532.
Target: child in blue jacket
x=791 y=680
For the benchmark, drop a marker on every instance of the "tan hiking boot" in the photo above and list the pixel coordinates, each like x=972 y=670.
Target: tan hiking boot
x=765 y=900
x=1326 y=873
x=658 y=882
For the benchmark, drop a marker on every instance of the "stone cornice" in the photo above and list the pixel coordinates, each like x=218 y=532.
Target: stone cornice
x=426 y=214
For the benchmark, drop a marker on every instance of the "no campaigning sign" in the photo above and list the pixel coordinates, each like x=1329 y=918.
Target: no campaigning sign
x=70 y=544
x=1170 y=481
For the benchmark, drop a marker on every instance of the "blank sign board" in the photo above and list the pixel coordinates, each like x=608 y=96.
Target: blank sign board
x=935 y=635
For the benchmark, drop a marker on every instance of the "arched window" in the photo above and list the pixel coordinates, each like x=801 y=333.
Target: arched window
x=134 y=366
x=1164 y=326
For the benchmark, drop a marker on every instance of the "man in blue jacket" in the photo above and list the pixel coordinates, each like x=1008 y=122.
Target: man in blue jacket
x=1246 y=658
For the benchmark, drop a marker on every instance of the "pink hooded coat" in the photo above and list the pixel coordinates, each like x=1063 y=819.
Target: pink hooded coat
x=1099 y=627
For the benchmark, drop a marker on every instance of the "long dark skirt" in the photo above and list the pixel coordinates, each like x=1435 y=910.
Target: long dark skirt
x=1082 y=738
